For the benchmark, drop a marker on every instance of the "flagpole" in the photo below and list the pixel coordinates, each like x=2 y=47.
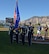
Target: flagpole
x=17 y=1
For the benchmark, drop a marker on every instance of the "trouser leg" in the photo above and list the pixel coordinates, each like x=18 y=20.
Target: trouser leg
x=29 y=39
x=17 y=38
x=23 y=39
x=11 y=37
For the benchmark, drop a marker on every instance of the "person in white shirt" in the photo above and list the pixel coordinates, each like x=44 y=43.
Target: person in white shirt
x=39 y=31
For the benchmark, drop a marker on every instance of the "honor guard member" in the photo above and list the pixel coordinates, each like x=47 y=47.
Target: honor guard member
x=17 y=36
x=30 y=32
x=19 y=32
x=16 y=33
x=11 y=32
x=23 y=34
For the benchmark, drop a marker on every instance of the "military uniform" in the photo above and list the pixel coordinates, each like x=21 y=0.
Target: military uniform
x=11 y=33
x=17 y=36
x=30 y=34
x=23 y=34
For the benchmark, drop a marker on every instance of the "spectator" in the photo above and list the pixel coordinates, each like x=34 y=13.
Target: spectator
x=46 y=31
x=39 y=31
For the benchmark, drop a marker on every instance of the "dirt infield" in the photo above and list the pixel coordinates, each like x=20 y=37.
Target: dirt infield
x=4 y=29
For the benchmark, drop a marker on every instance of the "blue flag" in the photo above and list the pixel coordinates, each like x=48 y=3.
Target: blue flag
x=16 y=16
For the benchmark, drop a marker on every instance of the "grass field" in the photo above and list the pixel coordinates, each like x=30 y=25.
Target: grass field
x=35 y=30
x=7 y=48
x=4 y=29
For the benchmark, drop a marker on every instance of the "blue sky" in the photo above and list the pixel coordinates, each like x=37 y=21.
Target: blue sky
x=27 y=8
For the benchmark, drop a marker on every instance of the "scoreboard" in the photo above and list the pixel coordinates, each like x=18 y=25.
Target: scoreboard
x=8 y=20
